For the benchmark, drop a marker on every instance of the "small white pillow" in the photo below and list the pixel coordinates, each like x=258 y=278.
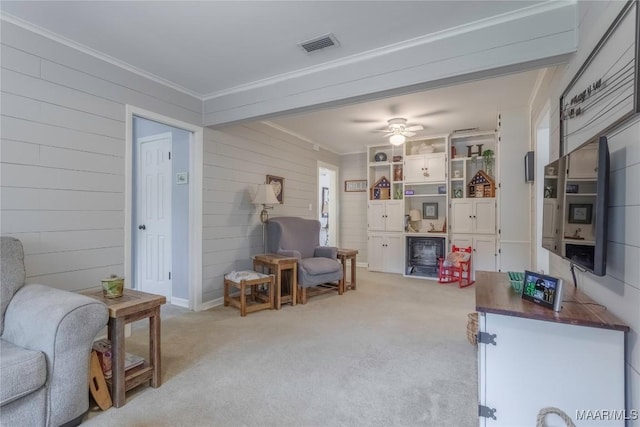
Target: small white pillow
x=455 y=258
x=238 y=276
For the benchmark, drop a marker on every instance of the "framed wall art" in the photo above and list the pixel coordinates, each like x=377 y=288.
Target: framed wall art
x=354 y=185
x=580 y=213
x=277 y=182
x=604 y=91
x=430 y=210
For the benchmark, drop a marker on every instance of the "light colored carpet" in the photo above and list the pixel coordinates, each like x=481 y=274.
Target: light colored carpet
x=392 y=353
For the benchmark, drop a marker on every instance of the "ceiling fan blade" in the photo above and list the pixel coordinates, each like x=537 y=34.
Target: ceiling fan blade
x=388 y=134
x=414 y=127
x=405 y=133
x=380 y=130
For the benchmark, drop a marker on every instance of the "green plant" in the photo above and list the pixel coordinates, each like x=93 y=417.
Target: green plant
x=487 y=159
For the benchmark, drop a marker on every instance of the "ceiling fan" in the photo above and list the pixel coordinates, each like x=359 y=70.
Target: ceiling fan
x=398 y=130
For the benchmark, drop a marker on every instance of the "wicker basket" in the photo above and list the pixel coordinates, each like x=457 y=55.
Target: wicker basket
x=472 y=328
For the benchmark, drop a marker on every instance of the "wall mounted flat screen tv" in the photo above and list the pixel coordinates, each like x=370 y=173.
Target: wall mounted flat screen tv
x=575 y=206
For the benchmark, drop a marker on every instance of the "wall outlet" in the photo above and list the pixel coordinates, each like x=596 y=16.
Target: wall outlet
x=310 y=207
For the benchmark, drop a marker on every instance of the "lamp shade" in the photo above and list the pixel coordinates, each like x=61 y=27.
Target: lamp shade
x=397 y=139
x=265 y=195
x=414 y=215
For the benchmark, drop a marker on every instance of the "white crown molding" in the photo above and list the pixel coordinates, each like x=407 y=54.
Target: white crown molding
x=4 y=16
x=536 y=9
x=296 y=135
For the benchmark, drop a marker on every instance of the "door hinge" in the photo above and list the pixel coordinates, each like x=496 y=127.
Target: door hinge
x=169 y=155
x=486 y=412
x=499 y=251
x=486 y=338
x=169 y=275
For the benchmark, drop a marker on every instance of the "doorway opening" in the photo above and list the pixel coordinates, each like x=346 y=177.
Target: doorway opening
x=163 y=209
x=328 y=203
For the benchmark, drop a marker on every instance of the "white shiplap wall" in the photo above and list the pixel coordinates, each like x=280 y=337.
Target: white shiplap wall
x=619 y=290
x=62 y=155
x=236 y=160
x=353 y=206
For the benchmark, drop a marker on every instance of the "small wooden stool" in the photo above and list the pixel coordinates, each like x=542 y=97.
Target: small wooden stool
x=249 y=279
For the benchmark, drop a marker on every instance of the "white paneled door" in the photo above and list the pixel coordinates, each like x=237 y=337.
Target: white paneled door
x=153 y=255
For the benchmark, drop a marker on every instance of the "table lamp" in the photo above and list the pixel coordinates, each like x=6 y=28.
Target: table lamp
x=266 y=197
x=414 y=215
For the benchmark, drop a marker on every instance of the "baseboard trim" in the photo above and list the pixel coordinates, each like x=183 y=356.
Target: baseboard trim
x=180 y=302
x=362 y=264
x=210 y=304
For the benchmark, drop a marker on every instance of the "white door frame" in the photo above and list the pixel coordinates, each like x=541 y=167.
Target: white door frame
x=196 y=173
x=334 y=197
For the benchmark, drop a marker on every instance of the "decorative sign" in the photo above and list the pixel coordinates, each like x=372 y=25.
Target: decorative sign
x=353 y=185
x=605 y=89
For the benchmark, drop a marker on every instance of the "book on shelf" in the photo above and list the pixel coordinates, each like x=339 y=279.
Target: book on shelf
x=103 y=349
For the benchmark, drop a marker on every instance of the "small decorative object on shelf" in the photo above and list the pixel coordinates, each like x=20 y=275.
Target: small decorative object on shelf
x=572 y=188
x=397 y=159
x=548 y=192
x=381 y=189
x=481 y=185
x=442 y=189
x=380 y=157
x=112 y=286
x=397 y=173
x=408 y=192
x=487 y=159
x=457 y=193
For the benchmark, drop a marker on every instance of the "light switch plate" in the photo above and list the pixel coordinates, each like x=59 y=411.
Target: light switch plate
x=182 y=178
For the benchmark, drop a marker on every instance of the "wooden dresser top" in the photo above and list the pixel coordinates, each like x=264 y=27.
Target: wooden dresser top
x=494 y=295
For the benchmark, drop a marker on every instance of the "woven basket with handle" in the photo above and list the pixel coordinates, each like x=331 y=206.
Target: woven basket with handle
x=472 y=328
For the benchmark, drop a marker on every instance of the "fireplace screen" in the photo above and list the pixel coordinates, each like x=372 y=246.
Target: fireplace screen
x=423 y=254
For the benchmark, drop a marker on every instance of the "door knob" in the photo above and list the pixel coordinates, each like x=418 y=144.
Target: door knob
x=142 y=227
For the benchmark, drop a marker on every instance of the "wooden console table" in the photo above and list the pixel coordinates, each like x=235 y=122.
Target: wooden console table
x=530 y=357
x=130 y=307
x=276 y=264
x=343 y=256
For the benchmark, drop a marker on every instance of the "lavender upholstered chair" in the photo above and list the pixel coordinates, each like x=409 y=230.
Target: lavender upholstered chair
x=300 y=238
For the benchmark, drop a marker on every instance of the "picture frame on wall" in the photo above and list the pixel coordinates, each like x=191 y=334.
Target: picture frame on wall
x=277 y=182
x=325 y=202
x=355 y=185
x=580 y=213
x=430 y=210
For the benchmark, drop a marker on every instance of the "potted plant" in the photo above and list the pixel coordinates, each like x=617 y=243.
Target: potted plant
x=487 y=160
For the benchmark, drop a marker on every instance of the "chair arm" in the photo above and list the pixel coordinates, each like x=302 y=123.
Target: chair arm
x=291 y=253
x=326 y=252
x=63 y=326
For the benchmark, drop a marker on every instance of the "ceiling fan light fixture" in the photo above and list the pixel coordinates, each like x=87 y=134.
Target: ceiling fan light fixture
x=397 y=139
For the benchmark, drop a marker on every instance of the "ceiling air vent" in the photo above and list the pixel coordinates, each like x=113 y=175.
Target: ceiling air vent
x=318 y=43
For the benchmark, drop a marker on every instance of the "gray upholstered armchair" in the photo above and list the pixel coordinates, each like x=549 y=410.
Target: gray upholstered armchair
x=45 y=344
x=300 y=238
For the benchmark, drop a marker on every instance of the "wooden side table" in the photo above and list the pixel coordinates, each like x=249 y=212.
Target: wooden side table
x=130 y=307
x=276 y=264
x=343 y=256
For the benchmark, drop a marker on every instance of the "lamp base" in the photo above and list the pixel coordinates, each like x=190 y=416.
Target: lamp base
x=264 y=216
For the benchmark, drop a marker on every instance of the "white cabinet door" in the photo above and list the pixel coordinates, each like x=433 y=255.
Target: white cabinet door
x=484 y=216
x=435 y=167
x=375 y=252
x=589 y=375
x=394 y=254
x=386 y=253
x=376 y=214
x=484 y=250
x=484 y=253
x=462 y=216
x=549 y=208
x=414 y=169
x=425 y=168
x=394 y=220
x=385 y=215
